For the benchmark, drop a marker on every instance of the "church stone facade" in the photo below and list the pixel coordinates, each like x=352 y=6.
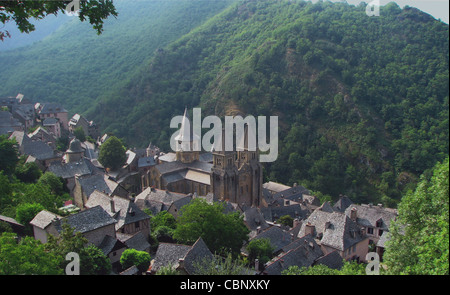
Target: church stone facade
x=234 y=176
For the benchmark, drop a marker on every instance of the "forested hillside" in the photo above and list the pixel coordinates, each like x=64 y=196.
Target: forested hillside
x=362 y=101
x=75 y=65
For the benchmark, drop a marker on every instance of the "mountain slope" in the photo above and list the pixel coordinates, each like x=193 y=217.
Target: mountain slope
x=74 y=65
x=362 y=102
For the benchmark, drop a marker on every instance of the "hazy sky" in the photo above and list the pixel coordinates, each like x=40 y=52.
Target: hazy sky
x=437 y=8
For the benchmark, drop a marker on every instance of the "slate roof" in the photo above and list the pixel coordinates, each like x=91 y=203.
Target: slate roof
x=100 y=182
x=110 y=244
x=136 y=241
x=275 y=187
x=128 y=212
x=146 y=162
x=125 y=211
x=44 y=219
x=38 y=149
x=335 y=229
x=368 y=215
x=292 y=193
x=196 y=255
x=50 y=108
x=169 y=254
x=302 y=256
x=69 y=170
x=254 y=219
x=333 y=260
x=87 y=220
x=278 y=238
x=343 y=203
x=151 y=197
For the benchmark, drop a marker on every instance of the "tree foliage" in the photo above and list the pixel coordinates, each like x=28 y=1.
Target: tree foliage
x=140 y=259
x=419 y=241
x=260 y=249
x=26 y=257
x=21 y=11
x=9 y=156
x=222 y=233
x=112 y=153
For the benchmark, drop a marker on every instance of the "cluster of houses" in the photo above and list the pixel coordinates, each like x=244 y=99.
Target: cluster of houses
x=109 y=207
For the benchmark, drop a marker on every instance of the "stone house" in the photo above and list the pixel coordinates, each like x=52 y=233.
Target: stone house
x=335 y=231
x=87 y=184
x=130 y=219
x=375 y=220
x=53 y=110
x=186 y=259
x=89 y=127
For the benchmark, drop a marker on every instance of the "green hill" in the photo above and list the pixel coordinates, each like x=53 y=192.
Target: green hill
x=362 y=101
x=75 y=66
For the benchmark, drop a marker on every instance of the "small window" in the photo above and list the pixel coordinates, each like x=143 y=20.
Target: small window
x=136 y=224
x=370 y=230
x=380 y=232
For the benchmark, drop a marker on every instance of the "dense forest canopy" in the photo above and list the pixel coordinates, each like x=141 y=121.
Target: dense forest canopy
x=362 y=101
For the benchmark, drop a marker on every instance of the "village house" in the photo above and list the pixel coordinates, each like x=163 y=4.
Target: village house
x=375 y=220
x=186 y=259
x=130 y=219
x=52 y=110
x=302 y=253
x=157 y=200
x=87 y=184
x=89 y=127
x=335 y=231
x=9 y=124
x=39 y=151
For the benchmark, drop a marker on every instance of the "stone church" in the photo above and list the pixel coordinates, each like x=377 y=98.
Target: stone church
x=234 y=176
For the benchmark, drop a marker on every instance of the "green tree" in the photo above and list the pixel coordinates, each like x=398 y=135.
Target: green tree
x=286 y=220
x=26 y=257
x=221 y=232
x=112 y=153
x=53 y=182
x=8 y=155
x=5 y=191
x=163 y=218
x=419 y=241
x=28 y=172
x=260 y=249
x=140 y=259
x=349 y=268
x=26 y=212
x=79 y=134
x=313 y=270
x=67 y=241
x=94 y=262
x=221 y=266
x=93 y=10
x=163 y=234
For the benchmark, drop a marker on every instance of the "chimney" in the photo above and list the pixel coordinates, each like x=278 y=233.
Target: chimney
x=296 y=222
x=295 y=184
x=353 y=214
x=309 y=229
x=380 y=205
x=257 y=264
x=113 y=207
